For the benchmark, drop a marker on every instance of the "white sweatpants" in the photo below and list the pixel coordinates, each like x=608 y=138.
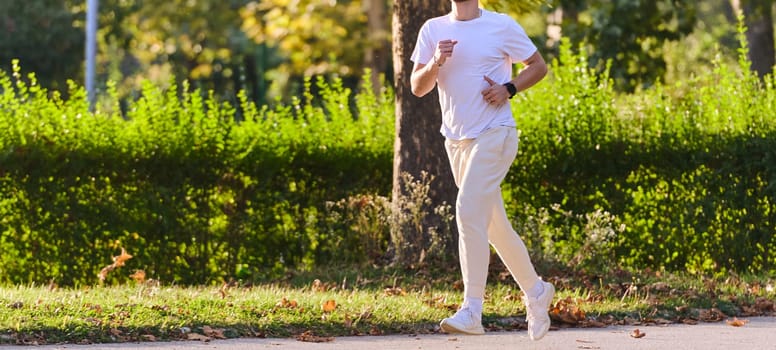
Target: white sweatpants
x=479 y=166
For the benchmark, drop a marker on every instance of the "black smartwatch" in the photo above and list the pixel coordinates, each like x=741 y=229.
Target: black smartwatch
x=511 y=88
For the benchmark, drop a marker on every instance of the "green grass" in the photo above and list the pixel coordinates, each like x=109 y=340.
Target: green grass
x=368 y=302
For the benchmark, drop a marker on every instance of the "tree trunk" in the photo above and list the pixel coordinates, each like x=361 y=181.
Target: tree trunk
x=419 y=146
x=758 y=17
x=377 y=51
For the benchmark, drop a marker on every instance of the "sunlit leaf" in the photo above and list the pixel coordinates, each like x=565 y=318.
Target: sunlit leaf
x=118 y=261
x=123 y=257
x=329 y=306
x=567 y=311
x=736 y=322
x=286 y=304
x=139 y=276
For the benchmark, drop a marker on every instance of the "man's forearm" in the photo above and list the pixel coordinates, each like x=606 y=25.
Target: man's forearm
x=533 y=73
x=423 y=79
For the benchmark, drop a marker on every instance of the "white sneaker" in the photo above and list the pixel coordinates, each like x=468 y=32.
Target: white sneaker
x=537 y=312
x=464 y=321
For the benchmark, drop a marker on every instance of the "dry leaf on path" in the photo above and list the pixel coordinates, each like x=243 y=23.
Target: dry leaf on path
x=636 y=333
x=197 y=336
x=211 y=332
x=735 y=322
x=309 y=337
x=567 y=311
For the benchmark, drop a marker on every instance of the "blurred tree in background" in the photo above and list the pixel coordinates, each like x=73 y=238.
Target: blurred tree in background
x=629 y=33
x=266 y=47
x=759 y=22
x=47 y=36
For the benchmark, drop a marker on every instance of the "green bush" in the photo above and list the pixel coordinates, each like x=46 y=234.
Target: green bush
x=194 y=195
x=688 y=169
x=679 y=177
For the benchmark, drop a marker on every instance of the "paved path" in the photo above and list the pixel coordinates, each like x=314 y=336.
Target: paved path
x=758 y=334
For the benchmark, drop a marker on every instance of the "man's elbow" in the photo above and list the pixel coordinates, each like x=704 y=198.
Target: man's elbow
x=543 y=70
x=417 y=91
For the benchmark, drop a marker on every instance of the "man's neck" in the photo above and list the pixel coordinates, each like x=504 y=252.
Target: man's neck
x=466 y=10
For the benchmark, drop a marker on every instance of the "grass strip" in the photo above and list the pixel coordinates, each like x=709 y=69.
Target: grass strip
x=317 y=306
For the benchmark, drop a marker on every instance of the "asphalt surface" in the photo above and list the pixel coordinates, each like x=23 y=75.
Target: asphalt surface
x=759 y=333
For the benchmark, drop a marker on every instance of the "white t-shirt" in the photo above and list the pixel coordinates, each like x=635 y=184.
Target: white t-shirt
x=487 y=46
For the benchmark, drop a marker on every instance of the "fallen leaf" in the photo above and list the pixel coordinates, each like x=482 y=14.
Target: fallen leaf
x=213 y=332
x=124 y=256
x=764 y=305
x=329 y=306
x=375 y=331
x=286 y=304
x=118 y=261
x=440 y=302
x=711 y=315
x=458 y=285
x=566 y=311
x=319 y=286
x=348 y=321
x=393 y=291
x=197 y=336
x=636 y=333
x=139 y=276
x=735 y=322
x=309 y=337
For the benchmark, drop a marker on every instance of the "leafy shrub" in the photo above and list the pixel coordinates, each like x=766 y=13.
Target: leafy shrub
x=191 y=192
x=679 y=177
x=688 y=169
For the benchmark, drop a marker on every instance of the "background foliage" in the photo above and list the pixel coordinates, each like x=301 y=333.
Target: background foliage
x=680 y=177
x=268 y=47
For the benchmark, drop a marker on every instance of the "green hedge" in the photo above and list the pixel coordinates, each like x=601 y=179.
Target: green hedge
x=689 y=170
x=193 y=194
x=679 y=177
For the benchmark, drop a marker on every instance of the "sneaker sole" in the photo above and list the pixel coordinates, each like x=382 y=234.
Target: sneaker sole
x=448 y=328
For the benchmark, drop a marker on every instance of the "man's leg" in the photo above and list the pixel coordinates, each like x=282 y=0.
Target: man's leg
x=479 y=167
x=512 y=251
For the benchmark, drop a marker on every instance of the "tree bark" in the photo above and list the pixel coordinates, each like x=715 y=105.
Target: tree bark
x=419 y=146
x=758 y=17
x=377 y=51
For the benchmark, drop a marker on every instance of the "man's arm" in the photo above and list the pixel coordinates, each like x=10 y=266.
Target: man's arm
x=424 y=76
x=534 y=71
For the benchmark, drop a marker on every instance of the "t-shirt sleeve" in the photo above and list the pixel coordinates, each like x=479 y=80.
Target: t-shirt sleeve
x=424 y=47
x=518 y=46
